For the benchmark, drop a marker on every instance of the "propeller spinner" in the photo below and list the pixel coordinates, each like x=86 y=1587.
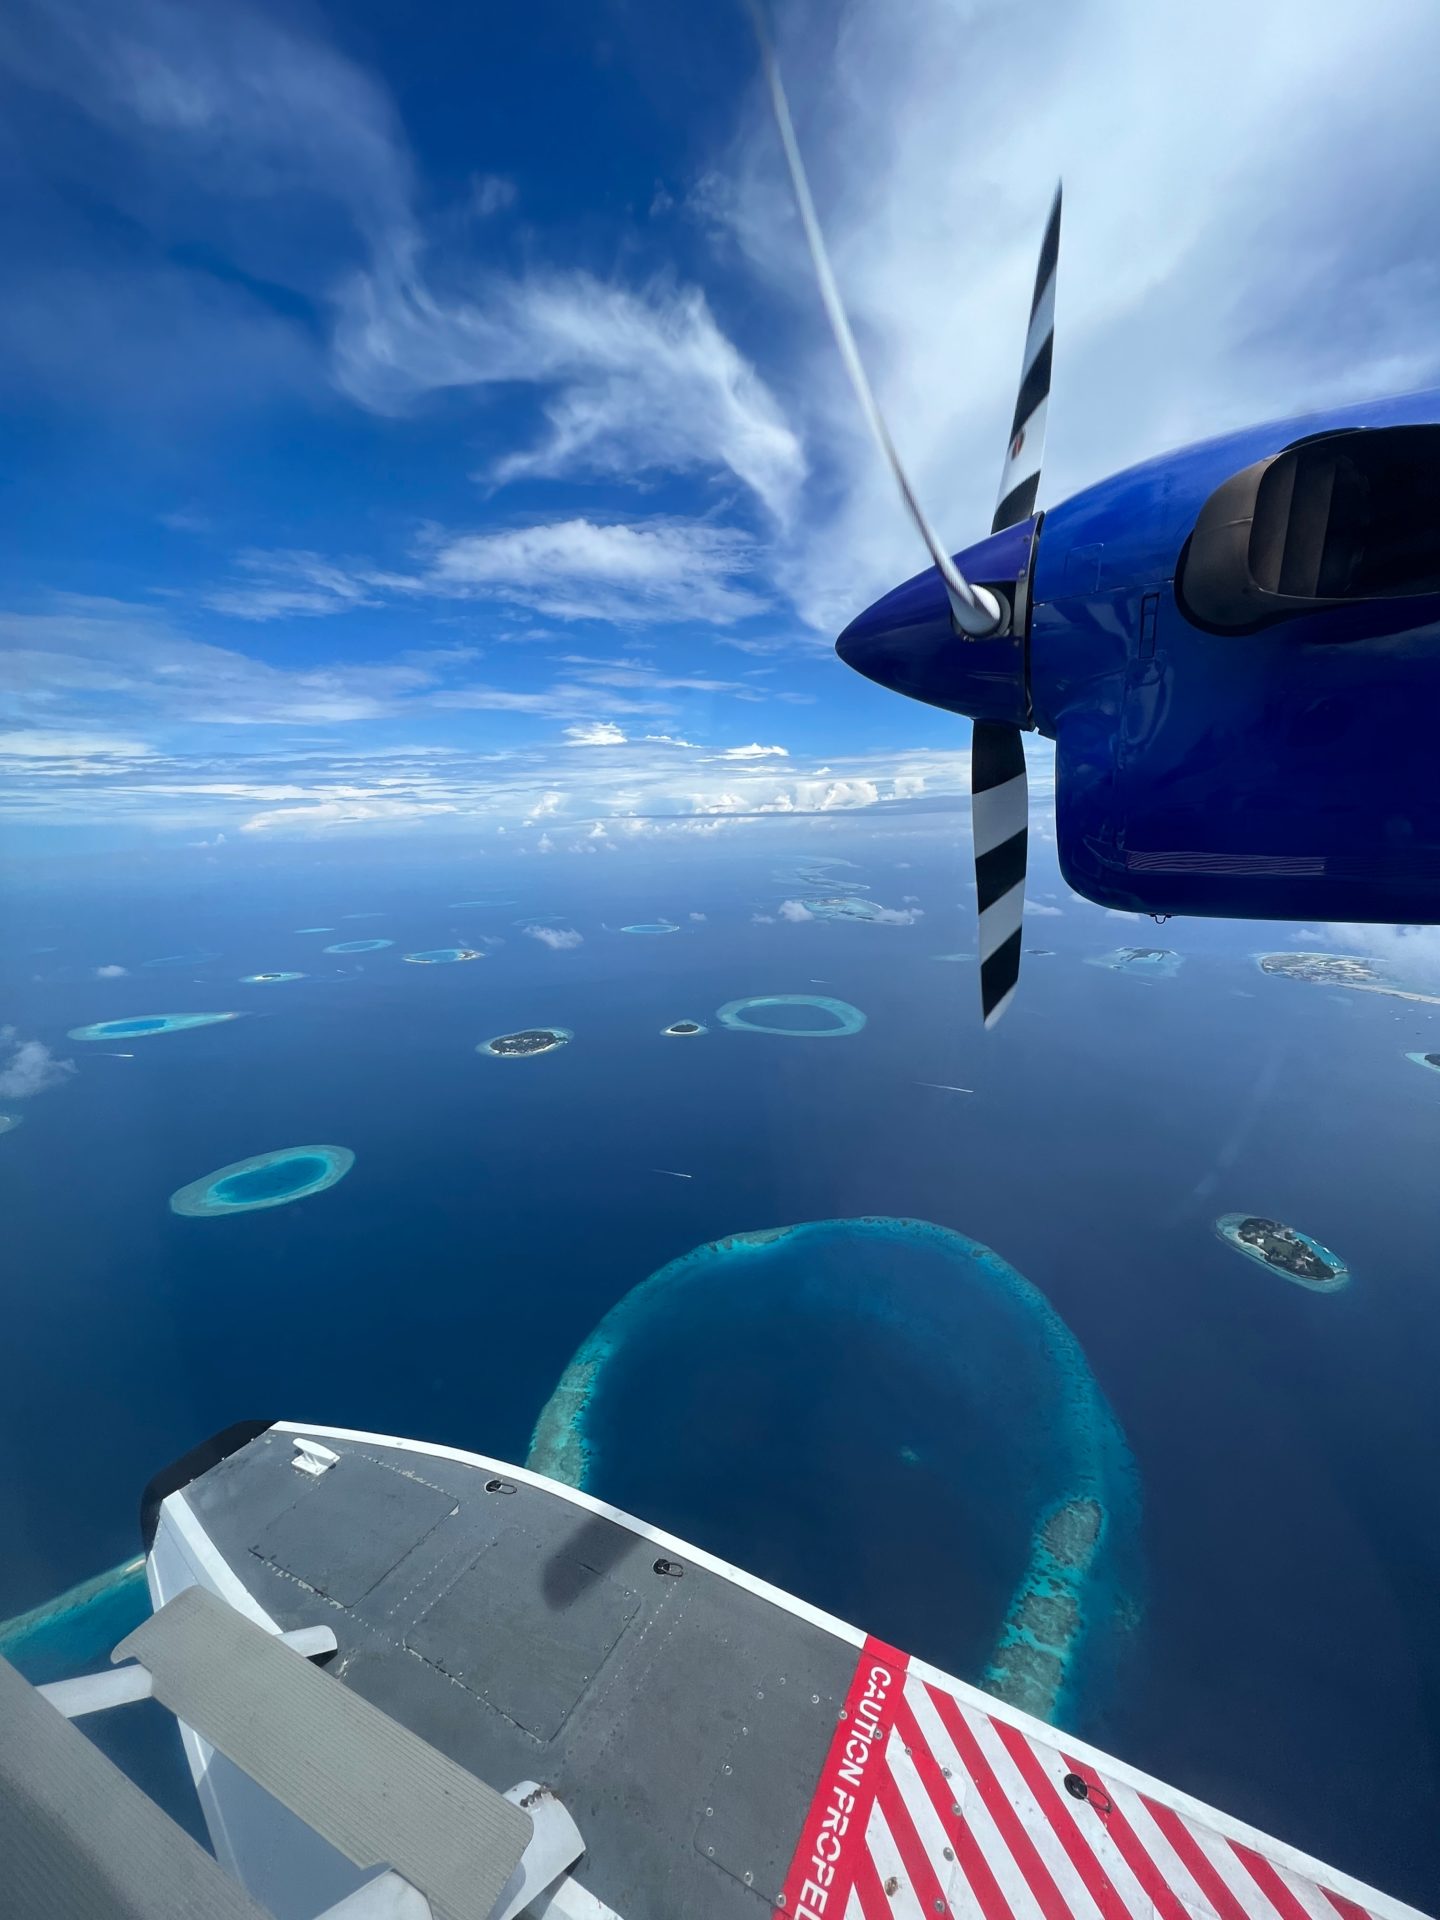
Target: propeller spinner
x=895 y=643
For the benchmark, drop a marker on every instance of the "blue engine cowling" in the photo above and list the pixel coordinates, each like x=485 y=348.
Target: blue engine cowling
x=1235 y=649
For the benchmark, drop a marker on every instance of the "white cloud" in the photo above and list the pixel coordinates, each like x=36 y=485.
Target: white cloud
x=28 y=1067
x=44 y=743
x=546 y=807
x=665 y=740
x=111 y=973
x=490 y=193
x=544 y=844
x=755 y=752
x=907 y=786
x=321 y=815
x=763 y=919
x=593 y=570
x=1413 y=953
x=287 y=585
x=558 y=939
x=595 y=733
x=895 y=916
x=1038 y=910
x=698 y=916
x=795 y=910
x=637 y=382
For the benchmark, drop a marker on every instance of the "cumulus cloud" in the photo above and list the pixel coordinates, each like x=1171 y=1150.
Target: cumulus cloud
x=698 y=916
x=1411 y=953
x=28 y=1067
x=546 y=807
x=895 y=916
x=595 y=733
x=795 y=910
x=111 y=973
x=1040 y=911
x=763 y=919
x=558 y=939
x=755 y=752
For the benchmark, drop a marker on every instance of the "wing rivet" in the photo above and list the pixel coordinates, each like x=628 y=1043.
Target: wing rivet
x=949 y=1852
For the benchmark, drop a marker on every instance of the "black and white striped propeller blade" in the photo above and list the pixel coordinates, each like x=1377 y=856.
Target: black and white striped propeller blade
x=999 y=791
x=1020 y=479
x=999 y=813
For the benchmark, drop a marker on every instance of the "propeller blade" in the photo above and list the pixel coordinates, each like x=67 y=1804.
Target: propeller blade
x=975 y=610
x=1020 y=479
x=999 y=791
x=1000 y=819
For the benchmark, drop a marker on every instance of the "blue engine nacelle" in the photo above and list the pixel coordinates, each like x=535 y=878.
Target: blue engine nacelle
x=1234 y=648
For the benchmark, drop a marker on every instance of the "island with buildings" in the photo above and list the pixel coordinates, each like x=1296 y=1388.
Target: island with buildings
x=528 y=1041
x=1360 y=972
x=1285 y=1250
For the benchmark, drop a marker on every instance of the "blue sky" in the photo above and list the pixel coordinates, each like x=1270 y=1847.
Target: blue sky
x=433 y=429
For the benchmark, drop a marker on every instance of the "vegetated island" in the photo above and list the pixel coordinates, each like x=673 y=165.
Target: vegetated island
x=1431 y=1060
x=443 y=956
x=265 y=1180
x=1355 y=970
x=529 y=1040
x=1285 y=1249
x=140 y=1025
x=682 y=1029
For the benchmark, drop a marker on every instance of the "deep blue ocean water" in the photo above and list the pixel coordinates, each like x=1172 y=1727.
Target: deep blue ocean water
x=1283 y=1662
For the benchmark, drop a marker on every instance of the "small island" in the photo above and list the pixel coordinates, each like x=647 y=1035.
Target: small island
x=359 y=946
x=529 y=1040
x=267 y=979
x=265 y=1180
x=314 y=929
x=653 y=926
x=1431 y=1060
x=1284 y=1249
x=1156 y=963
x=197 y=957
x=9 y=1121
x=443 y=956
x=682 y=1029
x=143 y=1024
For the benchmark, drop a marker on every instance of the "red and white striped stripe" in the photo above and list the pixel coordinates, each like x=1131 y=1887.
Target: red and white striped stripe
x=957 y=1812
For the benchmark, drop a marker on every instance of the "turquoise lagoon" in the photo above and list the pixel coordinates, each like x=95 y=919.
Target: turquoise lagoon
x=265 y=1180
x=140 y=1025
x=821 y=1400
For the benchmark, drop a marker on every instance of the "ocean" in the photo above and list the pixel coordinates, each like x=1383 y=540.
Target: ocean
x=1272 y=1649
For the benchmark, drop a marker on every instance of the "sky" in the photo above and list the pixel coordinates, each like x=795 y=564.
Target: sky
x=430 y=426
